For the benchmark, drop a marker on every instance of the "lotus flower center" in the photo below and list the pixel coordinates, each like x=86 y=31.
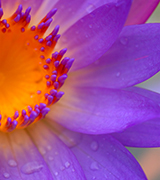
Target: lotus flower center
x=30 y=74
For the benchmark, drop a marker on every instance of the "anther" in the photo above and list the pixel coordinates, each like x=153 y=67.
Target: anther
x=1 y=13
x=48 y=61
x=19 y=9
x=17 y=18
x=36 y=37
x=51 y=13
x=40 y=40
x=56 y=64
x=53 y=92
x=53 y=78
x=38 y=92
x=47 y=76
x=28 y=10
x=33 y=28
x=16 y=115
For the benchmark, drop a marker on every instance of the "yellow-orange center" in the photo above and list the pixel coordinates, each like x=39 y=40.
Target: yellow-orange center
x=30 y=77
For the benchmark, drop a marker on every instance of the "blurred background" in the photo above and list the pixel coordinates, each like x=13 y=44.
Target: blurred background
x=149 y=158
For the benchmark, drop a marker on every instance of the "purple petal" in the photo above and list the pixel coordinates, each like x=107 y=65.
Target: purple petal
x=71 y=11
x=102 y=157
x=93 y=35
x=99 y=110
x=146 y=134
x=25 y=157
x=147 y=93
x=11 y=6
x=140 y=11
x=133 y=58
x=8 y=164
x=60 y=160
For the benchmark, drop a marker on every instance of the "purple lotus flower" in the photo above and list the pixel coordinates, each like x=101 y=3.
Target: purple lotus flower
x=82 y=134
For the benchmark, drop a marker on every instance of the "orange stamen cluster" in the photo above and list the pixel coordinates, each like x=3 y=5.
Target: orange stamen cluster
x=30 y=75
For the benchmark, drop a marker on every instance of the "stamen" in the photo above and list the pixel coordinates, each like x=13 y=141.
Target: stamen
x=1 y=13
x=30 y=70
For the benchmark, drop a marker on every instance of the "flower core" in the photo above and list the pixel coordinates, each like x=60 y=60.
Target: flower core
x=30 y=75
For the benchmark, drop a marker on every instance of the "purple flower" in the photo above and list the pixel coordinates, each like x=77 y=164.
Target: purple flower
x=82 y=134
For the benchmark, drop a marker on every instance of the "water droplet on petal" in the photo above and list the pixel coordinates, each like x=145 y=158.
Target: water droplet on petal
x=118 y=74
x=49 y=147
x=31 y=167
x=72 y=143
x=42 y=151
x=12 y=163
x=90 y=25
x=119 y=3
x=56 y=173
x=94 y=166
x=94 y=146
x=6 y=175
x=124 y=40
x=90 y=8
x=50 y=158
x=62 y=168
x=67 y=164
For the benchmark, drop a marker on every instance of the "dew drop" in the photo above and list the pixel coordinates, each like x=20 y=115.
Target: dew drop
x=42 y=151
x=50 y=158
x=90 y=8
x=62 y=168
x=119 y=3
x=124 y=40
x=94 y=146
x=90 y=25
x=12 y=163
x=31 y=167
x=6 y=175
x=106 y=176
x=56 y=173
x=73 y=138
x=67 y=164
x=72 y=142
x=49 y=147
x=94 y=166
x=118 y=74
